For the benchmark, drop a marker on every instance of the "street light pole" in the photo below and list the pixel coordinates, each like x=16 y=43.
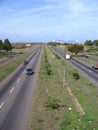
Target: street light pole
x=64 y=66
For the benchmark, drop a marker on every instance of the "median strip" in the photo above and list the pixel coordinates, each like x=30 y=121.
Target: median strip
x=74 y=99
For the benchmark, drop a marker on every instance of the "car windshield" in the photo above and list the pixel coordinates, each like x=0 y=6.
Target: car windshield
x=29 y=69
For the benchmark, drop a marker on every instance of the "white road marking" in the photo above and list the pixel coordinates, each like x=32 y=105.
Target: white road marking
x=18 y=80
x=12 y=90
x=23 y=72
x=1 y=105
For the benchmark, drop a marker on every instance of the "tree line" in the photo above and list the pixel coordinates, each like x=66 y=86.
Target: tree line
x=91 y=43
x=76 y=48
x=6 y=45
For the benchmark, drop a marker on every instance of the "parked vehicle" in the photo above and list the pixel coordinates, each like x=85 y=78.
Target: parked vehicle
x=29 y=71
x=84 y=55
x=95 y=66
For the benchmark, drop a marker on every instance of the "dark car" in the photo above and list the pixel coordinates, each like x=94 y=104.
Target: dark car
x=25 y=62
x=29 y=71
x=84 y=55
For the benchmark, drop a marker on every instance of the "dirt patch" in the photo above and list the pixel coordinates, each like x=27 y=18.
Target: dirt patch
x=76 y=103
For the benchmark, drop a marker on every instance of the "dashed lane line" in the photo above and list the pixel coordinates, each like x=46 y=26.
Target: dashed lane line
x=18 y=80
x=1 y=105
x=12 y=90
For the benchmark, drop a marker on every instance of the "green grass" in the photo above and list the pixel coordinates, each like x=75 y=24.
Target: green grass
x=4 y=54
x=46 y=118
x=8 y=68
x=95 y=55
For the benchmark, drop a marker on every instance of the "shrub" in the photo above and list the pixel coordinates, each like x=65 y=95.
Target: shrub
x=52 y=102
x=76 y=75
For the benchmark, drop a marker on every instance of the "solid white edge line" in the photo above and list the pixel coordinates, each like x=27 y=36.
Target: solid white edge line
x=1 y=105
x=12 y=90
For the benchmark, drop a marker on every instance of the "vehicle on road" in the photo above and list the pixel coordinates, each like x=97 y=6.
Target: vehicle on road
x=95 y=66
x=25 y=62
x=84 y=55
x=68 y=57
x=29 y=71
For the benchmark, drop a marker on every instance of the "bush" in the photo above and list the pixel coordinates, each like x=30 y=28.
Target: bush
x=47 y=65
x=76 y=75
x=52 y=102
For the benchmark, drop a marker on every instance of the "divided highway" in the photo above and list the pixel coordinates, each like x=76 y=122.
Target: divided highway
x=85 y=69
x=16 y=95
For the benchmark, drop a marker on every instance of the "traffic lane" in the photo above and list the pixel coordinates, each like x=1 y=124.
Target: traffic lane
x=5 y=85
x=58 y=51
x=89 y=73
x=17 y=115
x=15 y=108
x=9 y=85
x=85 y=65
x=8 y=82
x=8 y=99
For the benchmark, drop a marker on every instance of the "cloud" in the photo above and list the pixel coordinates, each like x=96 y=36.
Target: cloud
x=10 y=9
x=76 y=6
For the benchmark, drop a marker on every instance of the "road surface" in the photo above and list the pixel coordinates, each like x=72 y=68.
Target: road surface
x=16 y=96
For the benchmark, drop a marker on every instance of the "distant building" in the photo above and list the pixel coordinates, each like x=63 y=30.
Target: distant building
x=28 y=45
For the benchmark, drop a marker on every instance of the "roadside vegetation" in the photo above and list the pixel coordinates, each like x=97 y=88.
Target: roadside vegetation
x=6 y=45
x=9 y=67
x=53 y=107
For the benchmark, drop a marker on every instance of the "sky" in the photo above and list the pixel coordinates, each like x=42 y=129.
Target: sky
x=48 y=20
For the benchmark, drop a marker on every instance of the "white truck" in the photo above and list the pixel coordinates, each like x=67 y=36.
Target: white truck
x=67 y=57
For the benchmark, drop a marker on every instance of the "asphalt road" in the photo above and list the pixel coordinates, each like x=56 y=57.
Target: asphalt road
x=16 y=96
x=89 y=72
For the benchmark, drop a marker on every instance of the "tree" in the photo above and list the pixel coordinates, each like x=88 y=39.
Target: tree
x=76 y=48
x=96 y=42
x=1 y=44
x=89 y=43
x=7 y=45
